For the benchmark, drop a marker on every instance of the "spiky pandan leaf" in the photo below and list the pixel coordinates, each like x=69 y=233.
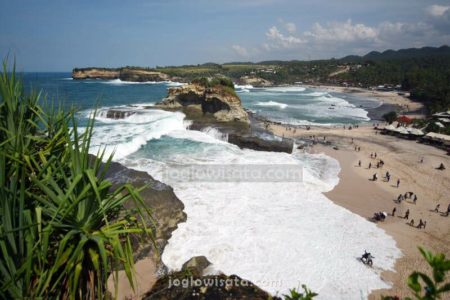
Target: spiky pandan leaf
x=62 y=230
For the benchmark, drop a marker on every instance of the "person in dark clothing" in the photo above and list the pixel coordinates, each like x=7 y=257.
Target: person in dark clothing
x=406 y=215
x=398 y=183
x=393 y=211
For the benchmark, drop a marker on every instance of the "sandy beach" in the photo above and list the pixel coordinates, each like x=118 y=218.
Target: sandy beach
x=411 y=108
x=358 y=193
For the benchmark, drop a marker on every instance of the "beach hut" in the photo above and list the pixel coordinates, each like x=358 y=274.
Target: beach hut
x=415 y=131
x=388 y=129
x=437 y=139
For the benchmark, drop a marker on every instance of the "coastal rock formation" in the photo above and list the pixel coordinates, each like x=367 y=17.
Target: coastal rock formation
x=196 y=265
x=95 y=73
x=167 y=210
x=261 y=144
x=124 y=74
x=205 y=287
x=118 y=114
x=255 y=81
x=219 y=102
x=142 y=75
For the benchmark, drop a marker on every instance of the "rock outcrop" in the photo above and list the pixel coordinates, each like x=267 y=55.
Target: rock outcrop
x=95 y=73
x=167 y=210
x=255 y=81
x=124 y=74
x=258 y=143
x=219 y=102
x=181 y=286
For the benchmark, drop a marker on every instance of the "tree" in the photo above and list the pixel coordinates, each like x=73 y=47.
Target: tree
x=390 y=117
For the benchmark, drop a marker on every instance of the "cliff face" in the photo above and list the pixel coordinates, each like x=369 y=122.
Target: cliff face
x=93 y=73
x=124 y=74
x=255 y=81
x=219 y=102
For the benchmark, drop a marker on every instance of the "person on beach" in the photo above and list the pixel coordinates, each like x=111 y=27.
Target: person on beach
x=393 y=211
x=411 y=223
x=421 y=160
x=436 y=209
x=359 y=163
x=406 y=215
x=398 y=183
x=371 y=155
x=374 y=177
x=441 y=167
x=375 y=155
x=370 y=165
x=400 y=198
x=387 y=174
x=415 y=199
x=448 y=210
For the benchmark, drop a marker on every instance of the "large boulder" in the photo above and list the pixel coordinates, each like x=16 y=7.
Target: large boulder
x=219 y=102
x=196 y=265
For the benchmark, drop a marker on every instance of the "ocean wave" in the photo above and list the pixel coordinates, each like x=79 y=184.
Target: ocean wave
x=285 y=89
x=273 y=104
x=245 y=86
x=121 y=82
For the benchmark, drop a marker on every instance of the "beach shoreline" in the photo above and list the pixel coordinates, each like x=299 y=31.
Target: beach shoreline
x=357 y=193
x=390 y=99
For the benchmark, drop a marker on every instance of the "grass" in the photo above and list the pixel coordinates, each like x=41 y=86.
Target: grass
x=63 y=230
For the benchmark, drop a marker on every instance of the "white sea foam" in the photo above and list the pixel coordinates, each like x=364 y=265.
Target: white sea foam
x=121 y=82
x=272 y=103
x=277 y=235
x=245 y=86
x=285 y=89
x=126 y=136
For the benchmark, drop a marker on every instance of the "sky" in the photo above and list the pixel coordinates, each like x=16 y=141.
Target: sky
x=59 y=35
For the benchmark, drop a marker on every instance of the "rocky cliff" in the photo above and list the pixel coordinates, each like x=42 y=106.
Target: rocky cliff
x=255 y=81
x=219 y=102
x=124 y=74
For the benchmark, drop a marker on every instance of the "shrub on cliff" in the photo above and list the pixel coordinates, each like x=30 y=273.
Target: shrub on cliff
x=63 y=231
x=215 y=81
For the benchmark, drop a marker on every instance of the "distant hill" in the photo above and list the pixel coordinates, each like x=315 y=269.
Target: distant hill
x=400 y=54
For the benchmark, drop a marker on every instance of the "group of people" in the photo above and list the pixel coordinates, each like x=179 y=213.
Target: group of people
x=407 y=195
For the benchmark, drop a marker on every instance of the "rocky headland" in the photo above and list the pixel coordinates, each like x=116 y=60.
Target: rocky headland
x=206 y=102
x=255 y=81
x=124 y=74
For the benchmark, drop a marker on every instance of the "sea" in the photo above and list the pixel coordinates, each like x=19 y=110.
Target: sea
x=279 y=234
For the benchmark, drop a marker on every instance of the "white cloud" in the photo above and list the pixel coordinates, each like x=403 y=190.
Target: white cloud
x=242 y=51
x=279 y=40
x=341 y=32
x=290 y=27
x=438 y=10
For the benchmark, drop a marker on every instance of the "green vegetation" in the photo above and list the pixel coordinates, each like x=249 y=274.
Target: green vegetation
x=225 y=83
x=295 y=295
x=390 y=117
x=63 y=230
x=425 y=287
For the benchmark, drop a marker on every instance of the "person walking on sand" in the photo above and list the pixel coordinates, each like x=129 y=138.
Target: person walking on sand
x=398 y=182
x=415 y=198
x=359 y=163
x=437 y=208
x=393 y=211
x=406 y=215
x=411 y=223
x=420 y=225
x=375 y=155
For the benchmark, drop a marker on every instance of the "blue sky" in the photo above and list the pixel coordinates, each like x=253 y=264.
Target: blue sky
x=59 y=35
